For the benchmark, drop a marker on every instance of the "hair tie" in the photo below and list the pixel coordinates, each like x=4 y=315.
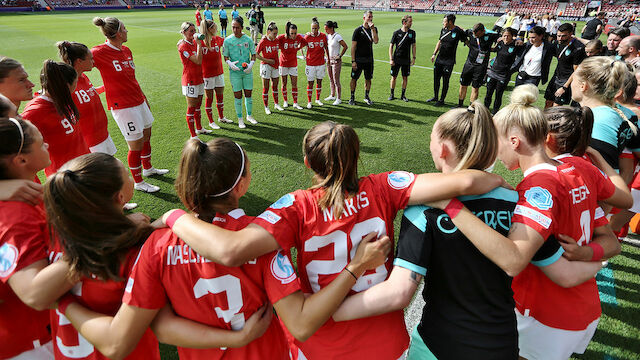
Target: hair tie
x=471 y=109
x=202 y=146
x=239 y=175
x=70 y=173
x=21 y=134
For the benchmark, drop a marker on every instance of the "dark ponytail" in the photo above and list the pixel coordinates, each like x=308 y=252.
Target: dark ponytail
x=272 y=26
x=55 y=79
x=69 y=52
x=314 y=21
x=571 y=128
x=331 y=24
x=290 y=26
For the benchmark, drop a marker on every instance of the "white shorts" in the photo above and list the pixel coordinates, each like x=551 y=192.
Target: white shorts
x=193 y=91
x=635 y=194
x=284 y=71
x=268 y=72
x=132 y=121
x=106 y=147
x=315 y=72
x=538 y=341
x=211 y=83
x=44 y=352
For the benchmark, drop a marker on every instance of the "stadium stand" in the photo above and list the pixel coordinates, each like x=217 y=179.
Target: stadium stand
x=575 y=9
x=16 y=3
x=532 y=7
x=412 y=4
x=481 y=6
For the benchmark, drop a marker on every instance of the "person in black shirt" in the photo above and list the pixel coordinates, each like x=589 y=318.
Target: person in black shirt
x=593 y=28
x=364 y=36
x=570 y=53
x=479 y=42
x=404 y=40
x=260 y=18
x=499 y=74
x=445 y=50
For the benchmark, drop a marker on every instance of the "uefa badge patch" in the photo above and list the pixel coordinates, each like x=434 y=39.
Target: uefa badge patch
x=510 y=50
x=567 y=52
x=539 y=197
x=453 y=35
x=400 y=179
x=281 y=268
x=285 y=201
x=8 y=259
x=186 y=54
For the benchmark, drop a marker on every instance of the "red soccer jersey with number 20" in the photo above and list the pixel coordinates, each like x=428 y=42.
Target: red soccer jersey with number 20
x=325 y=246
x=557 y=200
x=213 y=294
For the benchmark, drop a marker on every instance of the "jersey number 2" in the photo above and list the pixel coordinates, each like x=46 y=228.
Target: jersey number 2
x=230 y=285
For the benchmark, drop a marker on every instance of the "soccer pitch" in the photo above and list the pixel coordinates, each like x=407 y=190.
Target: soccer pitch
x=394 y=135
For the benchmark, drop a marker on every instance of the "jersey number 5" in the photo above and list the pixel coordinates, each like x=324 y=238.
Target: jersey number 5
x=340 y=240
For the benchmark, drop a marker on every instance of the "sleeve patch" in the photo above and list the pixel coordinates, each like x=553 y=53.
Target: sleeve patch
x=281 y=268
x=534 y=215
x=269 y=216
x=185 y=54
x=539 y=197
x=129 y=286
x=284 y=202
x=8 y=259
x=400 y=179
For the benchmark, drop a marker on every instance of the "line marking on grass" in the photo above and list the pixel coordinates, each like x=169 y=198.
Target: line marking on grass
x=607 y=286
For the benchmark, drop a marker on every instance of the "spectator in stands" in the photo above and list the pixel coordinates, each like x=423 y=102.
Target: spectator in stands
x=222 y=15
x=534 y=61
x=475 y=68
x=570 y=53
x=594 y=48
x=500 y=23
x=14 y=81
x=593 y=28
x=629 y=50
x=335 y=43
x=445 y=49
x=613 y=40
x=207 y=13
x=364 y=36
x=404 y=41
x=499 y=74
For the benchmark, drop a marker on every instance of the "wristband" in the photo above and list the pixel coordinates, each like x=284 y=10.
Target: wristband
x=598 y=251
x=352 y=274
x=453 y=208
x=64 y=302
x=171 y=220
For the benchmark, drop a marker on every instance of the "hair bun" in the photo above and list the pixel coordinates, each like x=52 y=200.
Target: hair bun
x=98 y=21
x=524 y=95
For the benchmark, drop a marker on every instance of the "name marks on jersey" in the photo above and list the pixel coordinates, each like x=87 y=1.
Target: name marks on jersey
x=497 y=220
x=351 y=206
x=534 y=215
x=182 y=254
x=579 y=194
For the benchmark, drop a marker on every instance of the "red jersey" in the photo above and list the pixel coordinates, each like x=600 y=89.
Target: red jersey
x=557 y=200
x=316 y=49
x=289 y=49
x=326 y=242
x=191 y=72
x=213 y=294
x=212 y=58
x=595 y=179
x=268 y=49
x=23 y=241
x=118 y=75
x=198 y=18
x=103 y=297
x=93 y=119
x=64 y=138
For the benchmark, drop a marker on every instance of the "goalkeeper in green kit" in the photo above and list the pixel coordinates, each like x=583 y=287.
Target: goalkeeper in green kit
x=239 y=52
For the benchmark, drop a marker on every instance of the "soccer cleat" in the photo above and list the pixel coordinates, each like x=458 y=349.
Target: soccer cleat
x=433 y=99
x=391 y=97
x=251 y=120
x=214 y=126
x=439 y=103
x=368 y=101
x=130 y=206
x=204 y=131
x=352 y=101
x=337 y=102
x=278 y=107
x=319 y=103
x=296 y=106
x=309 y=106
x=146 y=187
x=225 y=120
x=194 y=137
x=266 y=111
x=285 y=104
x=153 y=171
x=329 y=98
x=404 y=98
x=241 y=124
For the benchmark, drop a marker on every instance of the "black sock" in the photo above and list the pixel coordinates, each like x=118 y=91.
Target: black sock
x=392 y=91
x=353 y=94
x=366 y=94
x=460 y=102
x=403 y=91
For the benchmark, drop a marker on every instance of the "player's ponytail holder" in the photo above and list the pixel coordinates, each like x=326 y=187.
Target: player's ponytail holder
x=598 y=251
x=453 y=208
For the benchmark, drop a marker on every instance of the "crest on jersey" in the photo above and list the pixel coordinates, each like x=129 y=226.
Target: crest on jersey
x=185 y=54
x=8 y=259
x=453 y=35
x=410 y=35
x=400 y=179
x=486 y=38
x=281 y=268
x=285 y=201
x=539 y=197
x=510 y=50
x=567 y=52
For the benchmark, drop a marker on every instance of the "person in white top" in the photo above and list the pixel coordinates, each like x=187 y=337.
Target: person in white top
x=337 y=48
x=499 y=24
x=534 y=62
x=515 y=24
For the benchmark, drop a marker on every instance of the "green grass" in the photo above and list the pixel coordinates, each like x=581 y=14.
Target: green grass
x=394 y=135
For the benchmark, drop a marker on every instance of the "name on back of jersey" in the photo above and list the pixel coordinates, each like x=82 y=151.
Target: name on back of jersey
x=351 y=207
x=182 y=254
x=579 y=194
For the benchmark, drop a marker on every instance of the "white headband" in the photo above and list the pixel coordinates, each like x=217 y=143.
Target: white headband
x=22 y=135
x=239 y=175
